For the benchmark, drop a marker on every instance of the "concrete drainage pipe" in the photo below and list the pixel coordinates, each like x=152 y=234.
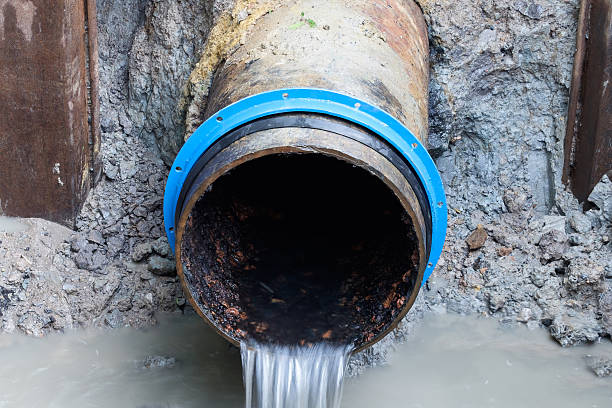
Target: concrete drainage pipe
x=307 y=208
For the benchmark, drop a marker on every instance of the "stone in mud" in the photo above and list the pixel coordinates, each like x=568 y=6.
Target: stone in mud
x=496 y=302
x=600 y=365
x=111 y=171
x=580 y=222
x=477 y=238
x=515 y=200
x=141 y=251
x=584 y=274
x=579 y=329
x=114 y=319
x=601 y=196
x=529 y=9
x=504 y=251
x=127 y=169
x=83 y=259
x=78 y=243
x=115 y=245
x=69 y=288
x=96 y=237
x=161 y=266
x=15 y=277
x=159 y=362
x=161 y=246
x=98 y=260
x=539 y=276
x=552 y=245
x=32 y=324
x=525 y=315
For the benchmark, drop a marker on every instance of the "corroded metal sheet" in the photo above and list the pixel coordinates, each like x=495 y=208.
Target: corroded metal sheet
x=588 y=144
x=46 y=144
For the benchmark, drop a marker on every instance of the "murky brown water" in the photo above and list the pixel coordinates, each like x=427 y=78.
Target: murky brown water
x=452 y=362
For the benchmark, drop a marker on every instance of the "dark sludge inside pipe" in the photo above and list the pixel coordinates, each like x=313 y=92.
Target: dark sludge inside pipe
x=298 y=249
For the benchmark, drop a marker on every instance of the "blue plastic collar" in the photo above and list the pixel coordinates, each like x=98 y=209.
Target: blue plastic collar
x=324 y=102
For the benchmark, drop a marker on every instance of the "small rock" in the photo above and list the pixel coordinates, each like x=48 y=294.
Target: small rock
x=578 y=239
x=96 y=237
x=529 y=9
x=580 y=223
x=477 y=238
x=145 y=276
x=15 y=277
x=601 y=196
x=149 y=297
x=78 y=243
x=141 y=251
x=525 y=315
x=538 y=276
x=69 y=288
x=99 y=284
x=98 y=260
x=496 y=302
x=161 y=266
x=128 y=169
x=83 y=259
x=552 y=245
x=115 y=244
x=111 y=171
x=159 y=362
x=161 y=246
x=504 y=251
x=549 y=223
x=600 y=365
x=570 y=330
x=514 y=200
x=584 y=273
x=140 y=211
x=242 y=15
x=114 y=319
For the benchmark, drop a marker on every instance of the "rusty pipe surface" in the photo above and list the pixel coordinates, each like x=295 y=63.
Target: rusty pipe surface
x=300 y=226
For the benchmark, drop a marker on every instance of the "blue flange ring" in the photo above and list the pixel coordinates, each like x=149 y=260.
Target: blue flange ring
x=323 y=102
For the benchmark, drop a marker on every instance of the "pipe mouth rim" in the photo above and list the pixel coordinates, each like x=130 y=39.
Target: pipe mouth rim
x=403 y=194
x=299 y=120
x=318 y=101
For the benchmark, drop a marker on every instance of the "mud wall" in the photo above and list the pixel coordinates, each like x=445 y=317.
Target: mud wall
x=500 y=78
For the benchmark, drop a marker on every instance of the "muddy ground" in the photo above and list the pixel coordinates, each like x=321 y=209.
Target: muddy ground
x=500 y=77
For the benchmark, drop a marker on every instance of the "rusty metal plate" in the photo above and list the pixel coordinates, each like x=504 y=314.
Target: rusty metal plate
x=46 y=143
x=588 y=143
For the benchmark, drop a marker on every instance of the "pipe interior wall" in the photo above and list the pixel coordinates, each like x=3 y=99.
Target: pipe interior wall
x=265 y=236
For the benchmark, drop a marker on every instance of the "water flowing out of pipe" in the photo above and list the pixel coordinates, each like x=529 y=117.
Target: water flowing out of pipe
x=279 y=376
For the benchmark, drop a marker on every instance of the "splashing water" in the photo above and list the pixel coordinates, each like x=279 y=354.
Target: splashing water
x=278 y=376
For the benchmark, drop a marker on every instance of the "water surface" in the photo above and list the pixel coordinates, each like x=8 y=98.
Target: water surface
x=451 y=362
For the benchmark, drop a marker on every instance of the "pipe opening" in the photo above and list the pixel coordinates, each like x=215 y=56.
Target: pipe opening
x=300 y=248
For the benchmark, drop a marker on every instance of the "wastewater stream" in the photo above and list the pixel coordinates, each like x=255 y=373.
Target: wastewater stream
x=451 y=361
